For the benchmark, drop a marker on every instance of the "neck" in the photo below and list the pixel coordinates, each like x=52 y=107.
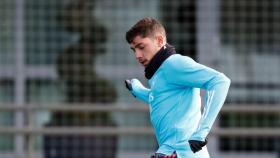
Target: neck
x=163 y=53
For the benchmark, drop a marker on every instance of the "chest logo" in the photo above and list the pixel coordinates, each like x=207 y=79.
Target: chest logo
x=151 y=97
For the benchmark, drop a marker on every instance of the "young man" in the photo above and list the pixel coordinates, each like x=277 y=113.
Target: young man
x=174 y=94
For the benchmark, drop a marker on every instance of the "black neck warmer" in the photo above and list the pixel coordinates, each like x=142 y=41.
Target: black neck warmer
x=166 y=51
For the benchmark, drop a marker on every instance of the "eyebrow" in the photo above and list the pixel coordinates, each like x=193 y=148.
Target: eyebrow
x=137 y=45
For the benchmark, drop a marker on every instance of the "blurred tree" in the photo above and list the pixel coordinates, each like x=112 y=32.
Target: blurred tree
x=75 y=68
x=75 y=64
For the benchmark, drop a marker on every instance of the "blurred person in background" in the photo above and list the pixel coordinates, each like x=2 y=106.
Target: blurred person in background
x=174 y=98
x=82 y=86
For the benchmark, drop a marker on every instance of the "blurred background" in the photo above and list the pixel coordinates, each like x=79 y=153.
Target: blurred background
x=63 y=63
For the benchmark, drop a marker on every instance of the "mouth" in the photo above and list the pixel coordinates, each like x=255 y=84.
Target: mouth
x=144 y=63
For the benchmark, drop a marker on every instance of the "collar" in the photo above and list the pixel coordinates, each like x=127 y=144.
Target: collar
x=166 y=51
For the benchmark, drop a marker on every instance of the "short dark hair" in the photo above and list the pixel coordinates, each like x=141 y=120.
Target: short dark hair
x=146 y=27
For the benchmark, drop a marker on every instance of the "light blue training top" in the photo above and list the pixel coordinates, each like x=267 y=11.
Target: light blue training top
x=175 y=103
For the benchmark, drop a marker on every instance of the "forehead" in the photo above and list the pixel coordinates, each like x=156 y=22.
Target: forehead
x=139 y=40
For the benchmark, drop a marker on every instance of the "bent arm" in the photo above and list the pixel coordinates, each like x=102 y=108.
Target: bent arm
x=214 y=100
x=187 y=72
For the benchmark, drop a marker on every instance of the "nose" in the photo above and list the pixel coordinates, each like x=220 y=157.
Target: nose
x=138 y=54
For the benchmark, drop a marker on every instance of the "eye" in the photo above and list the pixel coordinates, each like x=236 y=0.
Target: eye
x=133 y=50
x=142 y=47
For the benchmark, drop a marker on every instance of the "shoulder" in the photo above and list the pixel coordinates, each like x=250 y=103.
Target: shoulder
x=177 y=67
x=177 y=61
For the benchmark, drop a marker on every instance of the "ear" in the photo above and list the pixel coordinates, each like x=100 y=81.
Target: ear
x=159 y=40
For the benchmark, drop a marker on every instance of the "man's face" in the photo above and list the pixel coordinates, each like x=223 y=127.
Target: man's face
x=145 y=48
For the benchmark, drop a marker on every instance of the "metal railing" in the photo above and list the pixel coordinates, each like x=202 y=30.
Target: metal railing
x=29 y=131
x=31 y=108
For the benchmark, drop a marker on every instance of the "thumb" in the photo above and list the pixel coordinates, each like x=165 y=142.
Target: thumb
x=128 y=84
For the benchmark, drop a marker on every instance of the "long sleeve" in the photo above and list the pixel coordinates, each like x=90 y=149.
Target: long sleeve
x=214 y=100
x=139 y=91
x=186 y=72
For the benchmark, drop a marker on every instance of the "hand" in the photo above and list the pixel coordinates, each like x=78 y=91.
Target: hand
x=197 y=145
x=128 y=85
